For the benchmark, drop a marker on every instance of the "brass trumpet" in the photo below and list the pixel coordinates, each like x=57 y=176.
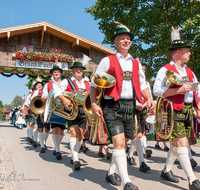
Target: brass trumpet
x=37 y=106
x=101 y=80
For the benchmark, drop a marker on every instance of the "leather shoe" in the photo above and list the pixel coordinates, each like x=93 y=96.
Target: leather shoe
x=148 y=153
x=34 y=144
x=30 y=140
x=166 y=148
x=144 y=167
x=193 y=163
x=169 y=176
x=58 y=156
x=108 y=156
x=193 y=152
x=101 y=154
x=42 y=150
x=71 y=161
x=158 y=146
x=77 y=165
x=195 y=185
x=131 y=161
x=113 y=179
x=130 y=186
x=85 y=149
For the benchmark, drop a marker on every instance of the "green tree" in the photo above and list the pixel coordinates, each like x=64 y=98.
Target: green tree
x=8 y=106
x=17 y=101
x=151 y=23
x=1 y=104
x=1 y=112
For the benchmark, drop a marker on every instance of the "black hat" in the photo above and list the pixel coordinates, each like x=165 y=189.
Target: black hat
x=56 y=68
x=78 y=64
x=37 y=83
x=176 y=44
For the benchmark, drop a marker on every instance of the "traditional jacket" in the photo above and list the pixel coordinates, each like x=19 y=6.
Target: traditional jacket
x=178 y=100
x=116 y=71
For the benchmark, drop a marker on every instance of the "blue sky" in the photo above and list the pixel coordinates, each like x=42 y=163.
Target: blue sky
x=69 y=15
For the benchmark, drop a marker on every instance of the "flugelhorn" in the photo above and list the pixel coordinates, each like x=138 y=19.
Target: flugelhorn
x=101 y=80
x=164 y=121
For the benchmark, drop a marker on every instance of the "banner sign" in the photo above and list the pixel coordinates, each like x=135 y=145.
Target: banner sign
x=39 y=65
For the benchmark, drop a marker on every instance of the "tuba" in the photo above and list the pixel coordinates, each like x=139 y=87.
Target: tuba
x=37 y=106
x=164 y=121
x=101 y=80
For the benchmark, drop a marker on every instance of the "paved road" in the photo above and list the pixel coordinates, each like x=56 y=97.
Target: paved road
x=34 y=170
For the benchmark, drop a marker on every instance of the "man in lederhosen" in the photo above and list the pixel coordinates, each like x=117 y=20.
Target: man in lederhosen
x=30 y=119
x=119 y=105
x=77 y=126
x=58 y=129
x=183 y=99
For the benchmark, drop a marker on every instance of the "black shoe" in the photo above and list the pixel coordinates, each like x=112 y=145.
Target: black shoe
x=127 y=149
x=101 y=154
x=193 y=163
x=58 y=156
x=158 y=146
x=195 y=185
x=131 y=161
x=130 y=186
x=85 y=149
x=77 y=165
x=42 y=150
x=144 y=167
x=193 y=152
x=30 y=140
x=166 y=148
x=34 y=144
x=148 y=153
x=169 y=176
x=54 y=152
x=45 y=147
x=108 y=156
x=112 y=178
x=71 y=161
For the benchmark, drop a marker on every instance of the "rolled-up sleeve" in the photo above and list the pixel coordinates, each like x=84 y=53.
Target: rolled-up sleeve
x=159 y=88
x=27 y=101
x=198 y=88
x=59 y=89
x=45 y=91
x=142 y=77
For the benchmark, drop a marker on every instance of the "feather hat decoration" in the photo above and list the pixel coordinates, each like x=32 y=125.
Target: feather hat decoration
x=58 y=64
x=38 y=80
x=85 y=60
x=120 y=25
x=177 y=42
x=175 y=34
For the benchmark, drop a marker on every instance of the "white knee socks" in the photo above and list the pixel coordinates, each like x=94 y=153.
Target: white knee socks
x=171 y=157
x=139 y=149
x=56 y=141
x=189 y=151
x=74 y=146
x=35 y=134
x=182 y=153
x=45 y=136
x=144 y=143
x=41 y=138
x=119 y=158
x=132 y=148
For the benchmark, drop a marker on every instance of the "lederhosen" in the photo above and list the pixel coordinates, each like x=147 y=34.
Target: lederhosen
x=81 y=119
x=53 y=125
x=119 y=113
x=183 y=112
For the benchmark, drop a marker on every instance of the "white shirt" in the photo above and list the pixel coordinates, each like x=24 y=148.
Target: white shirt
x=45 y=89
x=149 y=87
x=126 y=65
x=159 y=88
x=64 y=83
x=29 y=98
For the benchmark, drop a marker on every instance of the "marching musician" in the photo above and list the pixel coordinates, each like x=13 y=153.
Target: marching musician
x=58 y=129
x=77 y=126
x=183 y=99
x=140 y=139
x=118 y=108
x=30 y=119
